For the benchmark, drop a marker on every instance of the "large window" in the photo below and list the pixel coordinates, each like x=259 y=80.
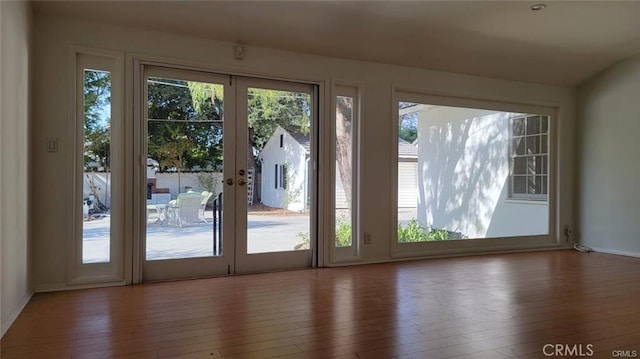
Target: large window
x=529 y=157
x=471 y=173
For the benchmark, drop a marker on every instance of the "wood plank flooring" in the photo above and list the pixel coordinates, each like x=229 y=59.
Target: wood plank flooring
x=496 y=306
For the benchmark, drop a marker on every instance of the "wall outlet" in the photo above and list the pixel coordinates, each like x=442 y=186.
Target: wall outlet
x=367 y=238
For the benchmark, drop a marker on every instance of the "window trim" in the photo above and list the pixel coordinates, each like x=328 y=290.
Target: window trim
x=352 y=252
x=552 y=240
x=114 y=271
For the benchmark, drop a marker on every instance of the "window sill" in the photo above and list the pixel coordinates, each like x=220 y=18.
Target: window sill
x=526 y=201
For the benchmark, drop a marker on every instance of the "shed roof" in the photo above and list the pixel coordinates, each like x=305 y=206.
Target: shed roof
x=406 y=149
x=301 y=138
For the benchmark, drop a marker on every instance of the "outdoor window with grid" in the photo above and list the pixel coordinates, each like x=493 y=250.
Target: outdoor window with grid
x=529 y=157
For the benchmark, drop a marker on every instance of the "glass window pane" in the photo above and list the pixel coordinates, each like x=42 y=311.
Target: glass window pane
x=533 y=145
x=344 y=161
x=520 y=165
x=519 y=184
x=410 y=228
x=545 y=124
x=538 y=184
x=544 y=143
x=459 y=177
x=96 y=193
x=518 y=126
x=533 y=125
x=519 y=145
x=540 y=162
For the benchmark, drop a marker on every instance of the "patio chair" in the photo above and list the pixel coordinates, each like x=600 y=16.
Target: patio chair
x=184 y=210
x=206 y=196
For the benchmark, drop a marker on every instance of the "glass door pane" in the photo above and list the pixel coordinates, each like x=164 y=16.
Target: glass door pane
x=275 y=209
x=185 y=191
x=184 y=168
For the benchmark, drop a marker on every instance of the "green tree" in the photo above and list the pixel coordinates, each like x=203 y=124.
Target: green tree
x=97 y=122
x=408 y=129
x=267 y=109
x=183 y=133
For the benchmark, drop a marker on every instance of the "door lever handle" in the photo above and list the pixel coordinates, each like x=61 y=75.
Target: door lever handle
x=241 y=182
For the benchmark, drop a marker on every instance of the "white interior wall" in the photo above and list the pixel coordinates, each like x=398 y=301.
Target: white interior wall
x=609 y=170
x=15 y=44
x=54 y=36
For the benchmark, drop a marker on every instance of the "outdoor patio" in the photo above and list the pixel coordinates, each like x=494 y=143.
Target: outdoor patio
x=268 y=232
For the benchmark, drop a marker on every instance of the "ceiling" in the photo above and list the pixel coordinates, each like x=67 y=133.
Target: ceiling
x=564 y=44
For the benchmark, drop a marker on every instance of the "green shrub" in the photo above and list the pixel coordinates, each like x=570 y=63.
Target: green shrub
x=414 y=232
x=343 y=233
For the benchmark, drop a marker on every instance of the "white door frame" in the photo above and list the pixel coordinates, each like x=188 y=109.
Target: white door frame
x=235 y=258
x=260 y=262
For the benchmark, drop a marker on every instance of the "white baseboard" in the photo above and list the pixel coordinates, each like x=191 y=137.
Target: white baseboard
x=613 y=251
x=4 y=327
x=57 y=287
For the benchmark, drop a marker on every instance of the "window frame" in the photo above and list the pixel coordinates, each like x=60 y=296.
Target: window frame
x=354 y=251
x=114 y=271
x=551 y=240
x=542 y=197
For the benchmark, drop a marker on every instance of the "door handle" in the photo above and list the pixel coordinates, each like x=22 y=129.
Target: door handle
x=229 y=181
x=241 y=182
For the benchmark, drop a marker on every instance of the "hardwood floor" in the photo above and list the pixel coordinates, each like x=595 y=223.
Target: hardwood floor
x=496 y=306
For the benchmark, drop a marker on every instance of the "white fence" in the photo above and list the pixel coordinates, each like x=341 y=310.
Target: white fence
x=175 y=182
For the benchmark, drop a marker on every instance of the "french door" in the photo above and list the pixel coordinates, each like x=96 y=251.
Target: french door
x=230 y=184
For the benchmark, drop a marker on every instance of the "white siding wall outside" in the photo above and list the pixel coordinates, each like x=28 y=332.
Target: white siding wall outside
x=407 y=184
x=294 y=156
x=463 y=173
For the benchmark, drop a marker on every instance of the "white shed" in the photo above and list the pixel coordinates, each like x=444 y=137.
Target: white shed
x=285 y=170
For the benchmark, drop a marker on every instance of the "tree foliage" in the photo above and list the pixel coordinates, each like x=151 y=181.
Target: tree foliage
x=183 y=133
x=268 y=109
x=408 y=127
x=97 y=113
x=344 y=144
